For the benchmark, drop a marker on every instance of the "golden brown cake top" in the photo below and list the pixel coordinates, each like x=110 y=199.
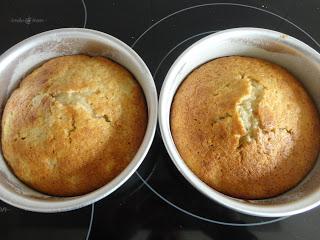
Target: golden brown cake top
x=73 y=124
x=246 y=127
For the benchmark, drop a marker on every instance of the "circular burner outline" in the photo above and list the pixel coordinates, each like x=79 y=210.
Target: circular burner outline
x=224 y=4
x=182 y=42
x=90 y=223
x=85 y=13
x=204 y=218
x=155 y=73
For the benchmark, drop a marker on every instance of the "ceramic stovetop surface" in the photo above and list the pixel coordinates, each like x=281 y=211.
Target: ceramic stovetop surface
x=156 y=202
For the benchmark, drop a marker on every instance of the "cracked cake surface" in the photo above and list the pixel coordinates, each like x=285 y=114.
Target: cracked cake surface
x=73 y=124
x=246 y=127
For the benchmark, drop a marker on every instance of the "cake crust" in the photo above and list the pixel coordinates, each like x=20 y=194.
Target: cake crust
x=246 y=127
x=73 y=124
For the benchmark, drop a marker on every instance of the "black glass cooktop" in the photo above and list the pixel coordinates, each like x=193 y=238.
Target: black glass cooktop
x=156 y=202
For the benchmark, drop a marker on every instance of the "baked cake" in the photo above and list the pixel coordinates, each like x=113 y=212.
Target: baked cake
x=73 y=124
x=246 y=127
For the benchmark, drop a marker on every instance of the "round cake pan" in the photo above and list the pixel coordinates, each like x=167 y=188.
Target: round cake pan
x=22 y=58
x=294 y=55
